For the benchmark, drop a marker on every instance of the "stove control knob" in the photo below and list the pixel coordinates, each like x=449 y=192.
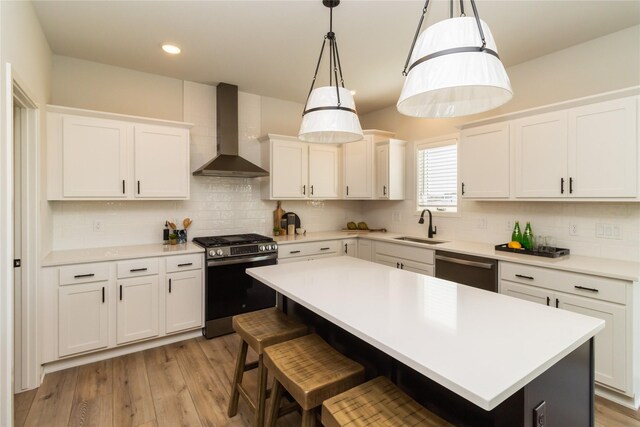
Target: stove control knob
x=219 y=252
x=212 y=252
x=261 y=248
x=269 y=247
x=274 y=246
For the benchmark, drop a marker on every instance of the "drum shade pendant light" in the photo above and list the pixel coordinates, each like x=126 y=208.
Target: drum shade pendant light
x=455 y=69
x=330 y=113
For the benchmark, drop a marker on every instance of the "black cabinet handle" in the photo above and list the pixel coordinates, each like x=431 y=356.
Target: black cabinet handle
x=401 y=266
x=384 y=190
x=294 y=252
x=586 y=289
x=304 y=190
x=557 y=302
x=169 y=285
x=347 y=190
x=345 y=248
x=397 y=265
x=80 y=276
x=524 y=277
x=570 y=185
x=138 y=187
x=120 y=292
x=463 y=188
x=312 y=190
x=186 y=264
x=133 y=270
x=324 y=249
x=123 y=186
x=103 y=294
x=548 y=300
x=561 y=185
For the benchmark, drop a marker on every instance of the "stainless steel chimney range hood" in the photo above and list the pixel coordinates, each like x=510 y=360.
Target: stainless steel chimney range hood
x=228 y=163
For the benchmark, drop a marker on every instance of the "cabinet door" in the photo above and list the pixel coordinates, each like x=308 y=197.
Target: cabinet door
x=610 y=343
x=540 y=144
x=161 y=162
x=603 y=143
x=417 y=267
x=350 y=248
x=184 y=300
x=94 y=157
x=137 y=309
x=365 y=249
x=525 y=292
x=289 y=170
x=358 y=169
x=484 y=162
x=323 y=171
x=83 y=318
x=382 y=171
x=387 y=260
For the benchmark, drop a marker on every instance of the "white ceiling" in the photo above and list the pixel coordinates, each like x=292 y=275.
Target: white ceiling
x=270 y=48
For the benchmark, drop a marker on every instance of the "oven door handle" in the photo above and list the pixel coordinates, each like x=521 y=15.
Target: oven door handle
x=213 y=263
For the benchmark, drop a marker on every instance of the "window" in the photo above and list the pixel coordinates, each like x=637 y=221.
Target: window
x=437 y=176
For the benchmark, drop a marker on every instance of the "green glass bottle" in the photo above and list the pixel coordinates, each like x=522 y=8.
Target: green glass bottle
x=527 y=237
x=516 y=236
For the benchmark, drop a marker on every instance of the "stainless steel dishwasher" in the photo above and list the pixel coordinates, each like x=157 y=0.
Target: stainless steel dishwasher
x=468 y=270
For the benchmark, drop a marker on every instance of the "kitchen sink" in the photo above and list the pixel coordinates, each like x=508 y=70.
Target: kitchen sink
x=419 y=240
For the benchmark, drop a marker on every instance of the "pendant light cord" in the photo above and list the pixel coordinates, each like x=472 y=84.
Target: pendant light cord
x=415 y=37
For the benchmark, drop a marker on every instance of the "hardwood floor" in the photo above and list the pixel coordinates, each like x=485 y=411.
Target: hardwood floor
x=181 y=384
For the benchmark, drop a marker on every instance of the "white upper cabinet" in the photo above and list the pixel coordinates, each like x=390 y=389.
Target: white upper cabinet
x=583 y=152
x=603 y=144
x=161 y=162
x=101 y=156
x=390 y=169
x=540 y=144
x=298 y=170
x=94 y=157
x=323 y=171
x=358 y=169
x=483 y=154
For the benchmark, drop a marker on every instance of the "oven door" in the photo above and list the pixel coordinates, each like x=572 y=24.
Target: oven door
x=230 y=290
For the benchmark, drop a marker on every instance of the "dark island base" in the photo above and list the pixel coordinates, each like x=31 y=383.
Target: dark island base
x=566 y=388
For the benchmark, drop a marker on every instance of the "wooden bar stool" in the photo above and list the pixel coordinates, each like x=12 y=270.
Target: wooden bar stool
x=377 y=403
x=258 y=330
x=311 y=371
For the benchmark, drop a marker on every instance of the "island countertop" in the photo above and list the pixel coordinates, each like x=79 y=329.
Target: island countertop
x=481 y=345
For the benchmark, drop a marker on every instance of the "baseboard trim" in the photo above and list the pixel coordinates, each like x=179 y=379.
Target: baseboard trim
x=85 y=359
x=619 y=398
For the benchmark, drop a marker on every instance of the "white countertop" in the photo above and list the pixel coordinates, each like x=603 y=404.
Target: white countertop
x=624 y=270
x=481 y=345
x=80 y=256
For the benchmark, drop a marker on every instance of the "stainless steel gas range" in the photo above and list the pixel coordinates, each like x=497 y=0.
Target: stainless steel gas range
x=228 y=289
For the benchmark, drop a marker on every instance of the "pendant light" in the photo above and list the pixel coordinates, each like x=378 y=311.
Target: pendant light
x=330 y=113
x=455 y=69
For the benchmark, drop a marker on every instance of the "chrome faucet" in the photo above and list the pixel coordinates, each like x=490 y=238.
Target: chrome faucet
x=431 y=230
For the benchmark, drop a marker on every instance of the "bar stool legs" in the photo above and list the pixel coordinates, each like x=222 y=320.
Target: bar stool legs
x=241 y=367
x=237 y=379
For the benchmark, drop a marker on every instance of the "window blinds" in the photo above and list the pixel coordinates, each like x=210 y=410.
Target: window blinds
x=437 y=182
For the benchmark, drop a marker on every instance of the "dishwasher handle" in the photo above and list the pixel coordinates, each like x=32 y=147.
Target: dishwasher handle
x=484 y=265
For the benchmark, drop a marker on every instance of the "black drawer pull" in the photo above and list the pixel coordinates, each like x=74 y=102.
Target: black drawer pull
x=347 y=190
x=324 y=249
x=294 y=252
x=186 y=264
x=133 y=270
x=401 y=266
x=570 y=185
x=548 y=300
x=586 y=289
x=103 y=294
x=80 y=276
x=524 y=277
x=120 y=292
x=312 y=190
x=397 y=265
x=138 y=187
x=557 y=302
x=169 y=285
x=123 y=186
x=463 y=188
x=345 y=249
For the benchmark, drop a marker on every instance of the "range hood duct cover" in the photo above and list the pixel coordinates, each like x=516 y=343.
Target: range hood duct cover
x=228 y=163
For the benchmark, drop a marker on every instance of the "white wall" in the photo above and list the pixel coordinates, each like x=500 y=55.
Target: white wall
x=22 y=44
x=217 y=205
x=600 y=65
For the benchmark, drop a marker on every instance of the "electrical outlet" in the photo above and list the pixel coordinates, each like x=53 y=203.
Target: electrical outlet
x=97 y=226
x=608 y=231
x=573 y=229
x=540 y=415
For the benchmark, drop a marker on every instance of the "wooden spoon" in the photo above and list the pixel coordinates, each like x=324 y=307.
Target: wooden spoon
x=186 y=222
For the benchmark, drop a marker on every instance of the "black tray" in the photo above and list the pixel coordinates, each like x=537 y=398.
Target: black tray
x=556 y=253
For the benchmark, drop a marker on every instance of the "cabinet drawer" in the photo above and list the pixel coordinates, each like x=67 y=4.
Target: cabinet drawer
x=184 y=262
x=405 y=251
x=137 y=267
x=574 y=283
x=84 y=273
x=309 y=248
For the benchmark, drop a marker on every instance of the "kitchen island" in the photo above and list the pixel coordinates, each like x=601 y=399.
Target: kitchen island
x=475 y=350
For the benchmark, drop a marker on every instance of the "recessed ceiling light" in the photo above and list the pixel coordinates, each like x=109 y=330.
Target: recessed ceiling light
x=171 y=48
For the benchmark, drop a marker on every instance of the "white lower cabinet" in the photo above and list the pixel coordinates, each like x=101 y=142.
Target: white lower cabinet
x=365 y=249
x=83 y=322
x=183 y=300
x=350 y=247
x=307 y=251
x=405 y=257
x=137 y=309
x=600 y=297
